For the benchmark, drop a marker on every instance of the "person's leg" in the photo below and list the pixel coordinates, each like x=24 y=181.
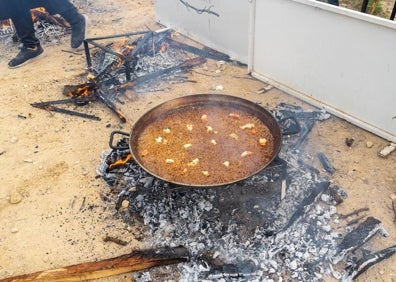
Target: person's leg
x=23 y=23
x=76 y=20
x=22 y=20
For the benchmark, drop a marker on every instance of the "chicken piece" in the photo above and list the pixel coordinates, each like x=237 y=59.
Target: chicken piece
x=194 y=162
x=247 y=126
x=204 y=118
x=169 y=161
x=234 y=116
x=209 y=129
x=246 y=153
x=234 y=136
x=263 y=142
x=189 y=127
x=226 y=163
x=213 y=142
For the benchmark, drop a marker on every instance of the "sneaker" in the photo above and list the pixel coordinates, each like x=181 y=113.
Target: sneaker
x=25 y=56
x=79 y=30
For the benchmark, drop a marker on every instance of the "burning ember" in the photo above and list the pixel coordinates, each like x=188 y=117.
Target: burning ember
x=278 y=225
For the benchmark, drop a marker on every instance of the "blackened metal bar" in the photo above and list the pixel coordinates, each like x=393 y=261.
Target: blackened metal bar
x=392 y=17
x=63 y=101
x=87 y=55
x=118 y=35
x=364 y=6
x=108 y=50
x=68 y=112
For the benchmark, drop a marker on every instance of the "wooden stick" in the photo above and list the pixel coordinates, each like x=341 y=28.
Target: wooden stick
x=135 y=261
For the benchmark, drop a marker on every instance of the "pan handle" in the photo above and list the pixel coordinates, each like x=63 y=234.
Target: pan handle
x=111 y=141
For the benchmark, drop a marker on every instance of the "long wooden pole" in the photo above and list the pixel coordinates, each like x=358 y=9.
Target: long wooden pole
x=135 y=261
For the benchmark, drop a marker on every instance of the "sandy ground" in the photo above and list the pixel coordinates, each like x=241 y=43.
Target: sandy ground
x=51 y=208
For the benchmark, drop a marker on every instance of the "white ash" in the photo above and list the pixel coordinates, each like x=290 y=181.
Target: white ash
x=160 y=61
x=192 y=219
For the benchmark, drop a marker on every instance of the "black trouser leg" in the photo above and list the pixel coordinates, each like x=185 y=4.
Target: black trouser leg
x=22 y=20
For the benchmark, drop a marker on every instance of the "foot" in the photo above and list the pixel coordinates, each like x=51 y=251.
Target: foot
x=26 y=55
x=78 y=32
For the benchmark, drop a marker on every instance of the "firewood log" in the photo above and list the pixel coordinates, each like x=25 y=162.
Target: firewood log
x=135 y=261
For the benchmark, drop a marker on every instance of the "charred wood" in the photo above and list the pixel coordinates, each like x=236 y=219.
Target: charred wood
x=355 y=270
x=199 y=52
x=355 y=221
x=356 y=212
x=102 y=97
x=306 y=129
x=306 y=204
x=338 y=194
x=135 y=261
x=327 y=166
x=394 y=209
x=357 y=237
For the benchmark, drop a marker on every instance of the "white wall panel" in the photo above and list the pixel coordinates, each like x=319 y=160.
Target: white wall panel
x=329 y=56
x=220 y=24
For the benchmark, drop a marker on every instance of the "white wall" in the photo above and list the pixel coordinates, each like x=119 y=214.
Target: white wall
x=329 y=56
x=225 y=32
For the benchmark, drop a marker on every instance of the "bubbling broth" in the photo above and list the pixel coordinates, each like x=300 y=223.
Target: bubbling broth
x=205 y=145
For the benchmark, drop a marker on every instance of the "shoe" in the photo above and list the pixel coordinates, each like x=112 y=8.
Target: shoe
x=26 y=55
x=79 y=30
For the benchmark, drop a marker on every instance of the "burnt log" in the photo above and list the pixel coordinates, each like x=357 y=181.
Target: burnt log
x=305 y=205
x=135 y=261
x=357 y=237
x=355 y=270
x=199 y=52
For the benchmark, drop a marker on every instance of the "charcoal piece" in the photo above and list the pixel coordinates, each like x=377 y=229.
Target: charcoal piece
x=290 y=126
x=338 y=194
x=355 y=270
x=327 y=166
x=357 y=237
x=306 y=129
x=305 y=205
x=349 y=141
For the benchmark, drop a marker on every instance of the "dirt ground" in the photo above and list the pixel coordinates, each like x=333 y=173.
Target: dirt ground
x=51 y=210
